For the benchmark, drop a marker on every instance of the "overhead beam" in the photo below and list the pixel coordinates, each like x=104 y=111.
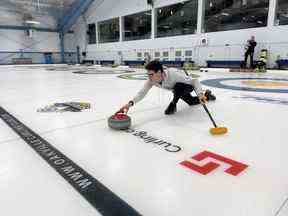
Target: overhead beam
x=78 y=8
x=12 y=27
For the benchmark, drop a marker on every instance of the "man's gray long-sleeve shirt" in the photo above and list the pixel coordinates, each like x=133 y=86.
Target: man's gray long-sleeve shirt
x=171 y=76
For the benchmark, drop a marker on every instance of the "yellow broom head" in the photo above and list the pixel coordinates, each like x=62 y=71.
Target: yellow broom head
x=218 y=130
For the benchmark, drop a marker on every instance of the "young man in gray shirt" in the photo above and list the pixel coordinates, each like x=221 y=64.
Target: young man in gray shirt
x=179 y=83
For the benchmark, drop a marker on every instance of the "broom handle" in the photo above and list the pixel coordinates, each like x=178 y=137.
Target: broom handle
x=207 y=111
x=204 y=105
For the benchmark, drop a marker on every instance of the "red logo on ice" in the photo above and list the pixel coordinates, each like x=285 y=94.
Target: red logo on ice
x=234 y=169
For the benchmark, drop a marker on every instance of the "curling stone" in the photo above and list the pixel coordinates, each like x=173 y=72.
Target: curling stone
x=119 y=121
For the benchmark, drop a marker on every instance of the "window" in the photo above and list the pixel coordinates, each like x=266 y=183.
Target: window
x=157 y=54
x=223 y=15
x=282 y=12
x=165 y=54
x=178 y=53
x=91 y=33
x=137 y=26
x=177 y=19
x=109 y=31
x=188 y=53
x=139 y=56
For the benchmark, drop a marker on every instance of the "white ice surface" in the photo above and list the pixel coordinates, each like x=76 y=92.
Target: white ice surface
x=143 y=174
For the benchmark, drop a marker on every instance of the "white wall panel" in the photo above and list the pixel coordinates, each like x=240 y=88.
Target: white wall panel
x=272 y=37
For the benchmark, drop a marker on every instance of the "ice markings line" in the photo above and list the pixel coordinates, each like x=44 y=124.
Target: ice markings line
x=99 y=196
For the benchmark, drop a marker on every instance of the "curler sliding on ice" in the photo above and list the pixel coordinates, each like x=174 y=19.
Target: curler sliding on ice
x=171 y=79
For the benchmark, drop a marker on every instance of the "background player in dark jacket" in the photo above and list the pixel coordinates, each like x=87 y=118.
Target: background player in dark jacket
x=250 y=46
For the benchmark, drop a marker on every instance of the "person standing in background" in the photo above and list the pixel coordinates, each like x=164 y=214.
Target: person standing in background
x=250 y=47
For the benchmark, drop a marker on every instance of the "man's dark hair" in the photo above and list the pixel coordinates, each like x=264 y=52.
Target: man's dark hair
x=155 y=66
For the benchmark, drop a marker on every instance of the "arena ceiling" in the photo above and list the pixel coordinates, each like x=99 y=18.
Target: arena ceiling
x=13 y=12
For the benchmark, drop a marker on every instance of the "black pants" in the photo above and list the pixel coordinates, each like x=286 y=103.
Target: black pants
x=249 y=53
x=182 y=91
x=260 y=65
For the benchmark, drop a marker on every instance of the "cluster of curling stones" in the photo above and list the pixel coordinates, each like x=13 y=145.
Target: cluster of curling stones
x=119 y=121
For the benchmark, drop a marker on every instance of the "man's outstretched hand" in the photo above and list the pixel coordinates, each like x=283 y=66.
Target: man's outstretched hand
x=202 y=98
x=124 y=109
